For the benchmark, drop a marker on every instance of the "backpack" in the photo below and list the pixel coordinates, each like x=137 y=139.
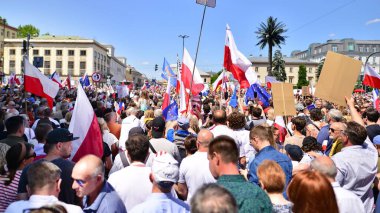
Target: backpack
x=179 y=141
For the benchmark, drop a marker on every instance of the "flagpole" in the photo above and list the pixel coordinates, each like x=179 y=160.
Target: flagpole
x=221 y=89
x=196 y=55
x=26 y=56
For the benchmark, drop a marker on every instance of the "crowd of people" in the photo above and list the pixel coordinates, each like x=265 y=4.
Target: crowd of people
x=214 y=158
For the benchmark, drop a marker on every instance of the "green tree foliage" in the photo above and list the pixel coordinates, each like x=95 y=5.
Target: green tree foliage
x=320 y=66
x=23 y=31
x=270 y=33
x=279 y=66
x=215 y=76
x=302 y=77
x=3 y=20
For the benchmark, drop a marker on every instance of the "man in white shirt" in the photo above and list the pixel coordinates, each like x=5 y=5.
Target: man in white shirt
x=44 y=186
x=219 y=118
x=127 y=124
x=347 y=201
x=194 y=170
x=132 y=182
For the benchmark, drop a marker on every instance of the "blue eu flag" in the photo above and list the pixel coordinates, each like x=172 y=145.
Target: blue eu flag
x=168 y=72
x=170 y=113
x=84 y=81
x=259 y=92
x=234 y=100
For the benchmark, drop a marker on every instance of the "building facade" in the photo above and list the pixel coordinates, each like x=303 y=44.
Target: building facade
x=260 y=65
x=6 y=31
x=67 y=55
x=358 y=49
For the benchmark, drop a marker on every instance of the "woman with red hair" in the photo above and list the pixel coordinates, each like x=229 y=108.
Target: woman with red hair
x=311 y=192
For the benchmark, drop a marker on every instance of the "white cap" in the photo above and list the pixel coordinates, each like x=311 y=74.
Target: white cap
x=165 y=168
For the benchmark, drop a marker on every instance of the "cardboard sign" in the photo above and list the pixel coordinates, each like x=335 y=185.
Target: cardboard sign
x=305 y=91
x=338 y=78
x=283 y=99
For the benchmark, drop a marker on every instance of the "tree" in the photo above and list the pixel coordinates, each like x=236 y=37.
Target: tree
x=279 y=66
x=271 y=34
x=25 y=29
x=302 y=77
x=215 y=76
x=320 y=66
x=3 y=21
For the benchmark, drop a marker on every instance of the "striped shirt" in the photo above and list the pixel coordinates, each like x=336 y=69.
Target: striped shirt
x=8 y=193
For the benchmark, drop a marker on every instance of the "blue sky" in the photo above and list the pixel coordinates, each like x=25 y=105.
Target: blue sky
x=147 y=31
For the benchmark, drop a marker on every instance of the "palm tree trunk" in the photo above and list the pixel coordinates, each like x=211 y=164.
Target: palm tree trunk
x=270 y=60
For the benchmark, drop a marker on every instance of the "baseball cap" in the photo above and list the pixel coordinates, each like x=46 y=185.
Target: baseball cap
x=60 y=135
x=158 y=127
x=294 y=151
x=165 y=169
x=136 y=130
x=376 y=140
x=183 y=122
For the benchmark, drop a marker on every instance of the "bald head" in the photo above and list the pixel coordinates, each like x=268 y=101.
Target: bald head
x=325 y=166
x=90 y=165
x=219 y=116
x=204 y=138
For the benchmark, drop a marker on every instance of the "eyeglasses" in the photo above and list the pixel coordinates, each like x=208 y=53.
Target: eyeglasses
x=80 y=182
x=333 y=130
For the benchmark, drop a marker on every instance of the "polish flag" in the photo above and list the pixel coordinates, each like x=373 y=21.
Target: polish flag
x=375 y=98
x=280 y=125
x=55 y=77
x=237 y=63
x=166 y=96
x=37 y=83
x=187 y=74
x=183 y=98
x=371 y=77
x=84 y=124
x=221 y=78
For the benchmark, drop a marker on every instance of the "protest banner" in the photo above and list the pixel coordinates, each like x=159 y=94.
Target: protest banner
x=283 y=99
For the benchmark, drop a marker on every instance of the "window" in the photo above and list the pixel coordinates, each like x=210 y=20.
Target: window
x=367 y=49
x=94 y=65
x=204 y=80
x=291 y=79
x=58 y=65
x=310 y=79
x=82 y=65
x=83 y=53
x=334 y=48
x=12 y=64
x=350 y=47
x=36 y=52
x=291 y=69
x=12 y=52
x=59 y=52
x=71 y=52
x=13 y=35
x=47 y=64
x=256 y=69
x=8 y=34
x=70 y=65
x=47 y=52
x=310 y=69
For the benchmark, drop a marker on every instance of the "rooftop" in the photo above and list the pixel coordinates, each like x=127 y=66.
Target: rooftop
x=287 y=60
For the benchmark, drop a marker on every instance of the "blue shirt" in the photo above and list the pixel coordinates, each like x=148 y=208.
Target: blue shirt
x=161 y=202
x=181 y=132
x=325 y=135
x=270 y=153
x=107 y=201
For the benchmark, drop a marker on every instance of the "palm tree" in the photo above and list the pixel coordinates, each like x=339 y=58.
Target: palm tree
x=271 y=34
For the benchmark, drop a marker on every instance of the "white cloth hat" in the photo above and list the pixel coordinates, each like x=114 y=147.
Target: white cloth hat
x=165 y=168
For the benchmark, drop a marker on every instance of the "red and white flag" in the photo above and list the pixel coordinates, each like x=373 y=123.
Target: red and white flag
x=221 y=78
x=187 y=74
x=279 y=123
x=13 y=80
x=84 y=125
x=37 y=83
x=237 y=63
x=371 y=77
x=55 y=77
x=166 y=101
x=67 y=82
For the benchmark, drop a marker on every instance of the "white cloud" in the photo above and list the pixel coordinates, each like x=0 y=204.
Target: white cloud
x=145 y=63
x=332 y=35
x=373 y=21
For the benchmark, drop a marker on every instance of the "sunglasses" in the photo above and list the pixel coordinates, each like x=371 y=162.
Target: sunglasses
x=80 y=182
x=333 y=130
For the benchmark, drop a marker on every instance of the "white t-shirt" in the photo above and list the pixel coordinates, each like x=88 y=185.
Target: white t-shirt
x=222 y=130
x=127 y=124
x=132 y=184
x=118 y=164
x=241 y=137
x=109 y=138
x=195 y=171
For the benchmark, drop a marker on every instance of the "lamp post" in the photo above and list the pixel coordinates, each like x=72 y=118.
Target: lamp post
x=3 y=48
x=365 y=64
x=183 y=41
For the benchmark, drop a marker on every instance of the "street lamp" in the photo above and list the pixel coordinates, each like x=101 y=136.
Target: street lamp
x=183 y=41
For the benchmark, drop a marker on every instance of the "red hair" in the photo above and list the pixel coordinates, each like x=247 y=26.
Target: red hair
x=311 y=192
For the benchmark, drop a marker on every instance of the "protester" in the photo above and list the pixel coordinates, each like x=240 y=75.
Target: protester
x=298 y=124
x=17 y=157
x=272 y=180
x=90 y=184
x=178 y=136
x=223 y=155
x=194 y=170
x=336 y=131
x=127 y=124
x=371 y=118
x=310 y=191
x=39 y=142
x=236 y=122
x=347 y=201
x=212 y=198
x=164 y=175
x=113 y=126
x=44 y=186
x=332 y=116
x=57 y=148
